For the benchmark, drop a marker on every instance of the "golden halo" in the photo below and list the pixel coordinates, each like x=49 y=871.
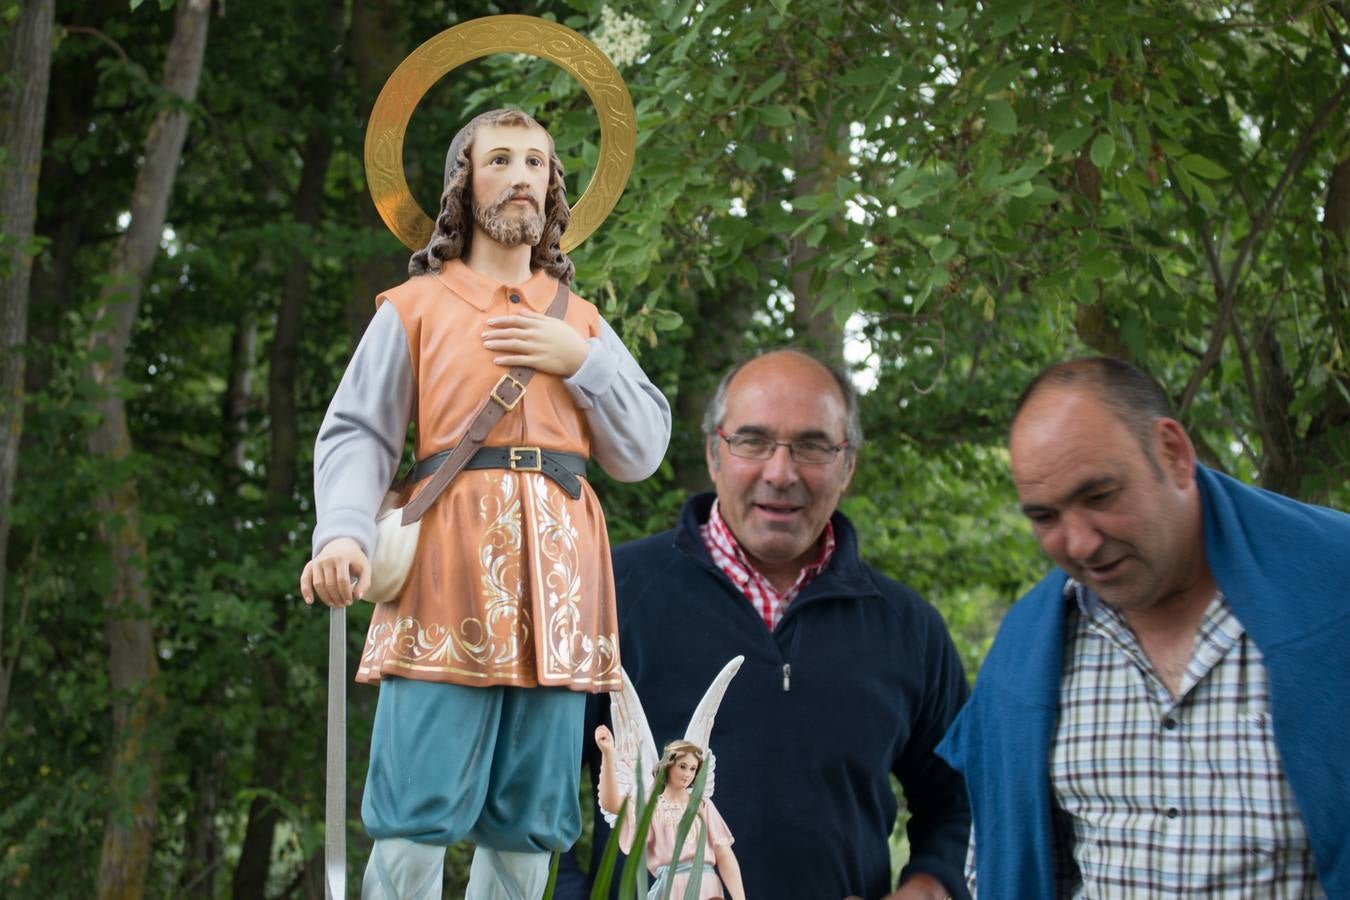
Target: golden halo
x=467 y=41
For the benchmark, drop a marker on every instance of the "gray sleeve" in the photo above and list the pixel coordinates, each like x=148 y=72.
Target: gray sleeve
x=361 y=439
x=629 y=417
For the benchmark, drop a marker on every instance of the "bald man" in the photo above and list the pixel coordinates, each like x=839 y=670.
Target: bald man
x=849 y=677
x=1163 y=715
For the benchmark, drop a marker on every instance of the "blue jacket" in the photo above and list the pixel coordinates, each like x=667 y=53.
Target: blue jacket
x=802 y=776
x=1284 y=567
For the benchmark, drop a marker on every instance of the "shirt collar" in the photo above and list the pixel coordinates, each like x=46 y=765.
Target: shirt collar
x=1089 y=601
x=1082 y=595
x=483 y=292
x=816 y=566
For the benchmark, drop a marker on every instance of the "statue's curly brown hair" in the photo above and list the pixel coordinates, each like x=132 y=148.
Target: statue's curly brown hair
x=454 y=223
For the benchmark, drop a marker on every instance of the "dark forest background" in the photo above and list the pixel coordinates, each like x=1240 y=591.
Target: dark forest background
x=948 y=195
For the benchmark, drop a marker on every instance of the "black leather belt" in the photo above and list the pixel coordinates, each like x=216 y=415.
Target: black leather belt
x=566 y=469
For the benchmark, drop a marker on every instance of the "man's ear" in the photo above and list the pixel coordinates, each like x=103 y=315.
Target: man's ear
x=851 y=463
x=710 y=455
x=1176 y=453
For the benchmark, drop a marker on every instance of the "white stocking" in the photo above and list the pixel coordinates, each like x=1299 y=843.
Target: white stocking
x=507 y=875
x=403 y=870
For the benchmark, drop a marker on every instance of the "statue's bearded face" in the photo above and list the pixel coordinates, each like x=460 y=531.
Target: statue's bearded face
x=510 y=183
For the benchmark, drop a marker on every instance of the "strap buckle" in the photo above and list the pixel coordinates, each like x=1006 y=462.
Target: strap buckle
x=516 y=454
x=505 y=404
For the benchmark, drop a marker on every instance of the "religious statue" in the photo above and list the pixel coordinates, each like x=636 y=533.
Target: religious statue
x=485 y=650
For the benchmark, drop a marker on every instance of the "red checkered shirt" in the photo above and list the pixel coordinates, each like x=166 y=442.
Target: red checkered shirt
x=731 y=559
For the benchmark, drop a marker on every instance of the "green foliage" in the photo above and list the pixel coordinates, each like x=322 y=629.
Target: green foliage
x=971 y=189
x=693 y=886
x=633 y=879
x=605 y=873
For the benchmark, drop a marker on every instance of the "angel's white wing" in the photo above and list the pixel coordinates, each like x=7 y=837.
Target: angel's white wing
x=632 y=741
x=700 y=725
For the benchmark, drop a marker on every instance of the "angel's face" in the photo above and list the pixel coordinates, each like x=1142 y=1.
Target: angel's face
x=683 y=770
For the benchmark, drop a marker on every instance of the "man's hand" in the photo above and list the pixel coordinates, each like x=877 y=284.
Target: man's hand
x=919 y=886
x=329 y=575
x=543 y=343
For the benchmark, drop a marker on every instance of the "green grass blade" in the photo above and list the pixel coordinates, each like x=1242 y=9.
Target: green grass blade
x=552 y=874
x=686 y=822
x=605 y=873
x=633 y=881
x=635 y=870
x=695 y=883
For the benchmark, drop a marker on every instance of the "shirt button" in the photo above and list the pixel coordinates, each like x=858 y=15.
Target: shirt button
x=1169 y=723
x=1173 y=812
x=515 y=298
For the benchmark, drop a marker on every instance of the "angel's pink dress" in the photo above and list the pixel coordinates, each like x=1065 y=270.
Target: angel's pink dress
x=661 y=846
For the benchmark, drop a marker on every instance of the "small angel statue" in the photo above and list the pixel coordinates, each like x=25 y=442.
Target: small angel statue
x=681 y=761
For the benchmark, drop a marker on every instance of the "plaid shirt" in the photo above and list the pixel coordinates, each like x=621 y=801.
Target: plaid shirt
x=1164 y=796
x=1157 y=796
x=731 y=559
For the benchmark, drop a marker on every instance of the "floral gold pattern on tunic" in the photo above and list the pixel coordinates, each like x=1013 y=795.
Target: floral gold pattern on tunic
x=569 y=653
x=506 y=629
x=496 y=644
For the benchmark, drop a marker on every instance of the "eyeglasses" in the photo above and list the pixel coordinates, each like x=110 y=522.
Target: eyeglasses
x=757 y=446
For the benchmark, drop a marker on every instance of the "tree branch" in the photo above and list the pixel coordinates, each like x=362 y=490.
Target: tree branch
x=1257 y=235
x=1338 y=42
x=1211 y=252
x=1212 y=352
x=94 y=32
x=1222 y=294
x=1226 y=288
x=1249 y=376
x=1254 y=24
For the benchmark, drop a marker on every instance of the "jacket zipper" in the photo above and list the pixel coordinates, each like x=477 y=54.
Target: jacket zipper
x=786 y=670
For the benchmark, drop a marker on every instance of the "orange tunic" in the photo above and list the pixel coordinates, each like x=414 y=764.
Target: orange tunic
x=512 y=582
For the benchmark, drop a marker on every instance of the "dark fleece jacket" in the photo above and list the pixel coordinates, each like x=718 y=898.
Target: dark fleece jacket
x=859 y=681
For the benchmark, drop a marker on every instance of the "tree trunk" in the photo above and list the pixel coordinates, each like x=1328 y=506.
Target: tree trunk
x=65 y=217
x=282 y=358
x=238 y=398
x=203 y=852
x=272 y=741
x=135 y=766
x=1288 y=458
x=308 y=881
x=379 y=42
x=1282 y=465
x=1336 y=255
x=28 y=50
x=816 y=331
x=1322 y=435
x=723 y=322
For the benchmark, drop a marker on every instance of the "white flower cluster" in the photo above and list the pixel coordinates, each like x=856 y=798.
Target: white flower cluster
x=623 y=38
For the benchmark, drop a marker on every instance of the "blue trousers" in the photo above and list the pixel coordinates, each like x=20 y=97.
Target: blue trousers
x=500 y=766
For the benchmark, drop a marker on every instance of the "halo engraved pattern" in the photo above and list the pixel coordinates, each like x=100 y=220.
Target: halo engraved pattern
x=471 y=40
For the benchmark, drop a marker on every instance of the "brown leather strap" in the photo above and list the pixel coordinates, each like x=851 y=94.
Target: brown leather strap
x=508 y=391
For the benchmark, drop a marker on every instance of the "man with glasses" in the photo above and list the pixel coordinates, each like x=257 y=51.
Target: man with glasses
x=848 y=677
